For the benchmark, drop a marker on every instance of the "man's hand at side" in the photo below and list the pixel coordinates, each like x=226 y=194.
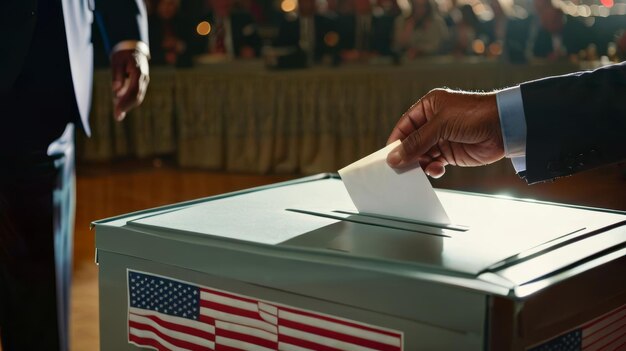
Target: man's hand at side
x=448 y=127
x=130 y=80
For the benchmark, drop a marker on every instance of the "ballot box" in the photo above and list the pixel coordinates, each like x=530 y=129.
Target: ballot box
x=293 y=266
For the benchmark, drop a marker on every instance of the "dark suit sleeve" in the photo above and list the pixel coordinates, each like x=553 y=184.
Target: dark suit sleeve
x=121 y=20
x=574 y=122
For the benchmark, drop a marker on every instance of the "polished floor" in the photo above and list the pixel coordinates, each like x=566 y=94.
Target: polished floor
x=109 y=190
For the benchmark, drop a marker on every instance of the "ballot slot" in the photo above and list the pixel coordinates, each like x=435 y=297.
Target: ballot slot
x=457 y=227
x=442 y=230
x=374 y=238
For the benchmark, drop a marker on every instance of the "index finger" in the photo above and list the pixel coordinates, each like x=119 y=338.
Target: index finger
x=410 y=121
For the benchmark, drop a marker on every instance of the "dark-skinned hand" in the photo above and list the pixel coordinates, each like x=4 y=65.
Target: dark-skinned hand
x=130 y=80
x=448 y=127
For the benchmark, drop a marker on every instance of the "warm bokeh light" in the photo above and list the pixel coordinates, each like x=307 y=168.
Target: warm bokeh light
x=288 y=5
x=478 y=46
x=331 y=39
x=203 y=28
x=607 y=3
x=495 y=49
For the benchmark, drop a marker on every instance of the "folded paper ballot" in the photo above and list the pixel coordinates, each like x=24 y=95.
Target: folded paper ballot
x=377 y=189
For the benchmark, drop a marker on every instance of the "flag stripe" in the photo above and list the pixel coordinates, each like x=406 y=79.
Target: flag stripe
x=318 y=339
x=173 y=319
x=209 y=334
x=607 y=315
x=142 y=342
x=165 y=345
x=229 y=334
x=607 y=325
x=604 y=335
x=603 y=323
x=340 y=321
x=146 y=323
x=283 y=346
x=621 y=346
x=174 y=340
x=229 y=309
x=242 y=329
x=611 y=345
x=339 y=326
x=229 y=295
x=268 y=308
x=240 y=344
x=227 y=348
x=269 y=318
x=227 y=300
x=339 y=336
x=304 y=343
x=255 y=323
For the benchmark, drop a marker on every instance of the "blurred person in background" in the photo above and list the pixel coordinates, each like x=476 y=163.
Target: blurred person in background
x=549 y=34
x=364 y=34
x=46 y=64
x=227 y=32
x=465 y=31
x=559 y=35
x=495 y=29
x=310 y=33
x=420 y=33
x=170 y=33
x=388 y=7
x=620 y=44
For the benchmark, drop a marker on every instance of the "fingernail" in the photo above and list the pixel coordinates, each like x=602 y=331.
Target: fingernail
x=394 y=158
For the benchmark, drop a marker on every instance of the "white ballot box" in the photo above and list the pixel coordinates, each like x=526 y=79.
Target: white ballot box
x=293 y=266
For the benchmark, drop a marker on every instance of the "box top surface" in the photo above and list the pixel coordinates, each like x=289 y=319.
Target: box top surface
x=517 y=240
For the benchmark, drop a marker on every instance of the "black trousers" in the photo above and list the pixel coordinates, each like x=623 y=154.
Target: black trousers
x=37 y=190
x=36 y=226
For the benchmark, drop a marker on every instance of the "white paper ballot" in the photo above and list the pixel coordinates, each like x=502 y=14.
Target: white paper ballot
x=376 y=188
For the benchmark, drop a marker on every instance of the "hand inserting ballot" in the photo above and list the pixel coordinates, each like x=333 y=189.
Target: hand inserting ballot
x=447 y=127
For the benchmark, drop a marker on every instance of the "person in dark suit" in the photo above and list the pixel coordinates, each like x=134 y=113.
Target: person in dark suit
x=551 y=127
x=312 y=33
x=550 y=34
x=45 y=89
x=558 y=34
x=170 y=34
x=363 y=32
x=233 y=32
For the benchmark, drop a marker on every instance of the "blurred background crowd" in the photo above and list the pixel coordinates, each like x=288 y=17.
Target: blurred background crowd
x=299 y=33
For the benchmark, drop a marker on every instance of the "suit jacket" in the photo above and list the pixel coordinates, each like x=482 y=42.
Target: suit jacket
x=119 y=19
x=574 y=122
x=289 y=34
x=243 y=30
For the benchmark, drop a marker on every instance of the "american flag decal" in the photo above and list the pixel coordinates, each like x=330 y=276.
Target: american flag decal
x=606 y=333
x=169 y=314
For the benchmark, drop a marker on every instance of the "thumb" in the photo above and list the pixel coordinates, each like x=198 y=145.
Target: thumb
x=416 y=144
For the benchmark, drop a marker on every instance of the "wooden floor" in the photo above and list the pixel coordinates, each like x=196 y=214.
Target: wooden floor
x=105 y=191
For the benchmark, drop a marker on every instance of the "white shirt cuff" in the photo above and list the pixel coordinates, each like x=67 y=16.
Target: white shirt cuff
x=519 y=163
x=513 y=125
x=132 y=45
